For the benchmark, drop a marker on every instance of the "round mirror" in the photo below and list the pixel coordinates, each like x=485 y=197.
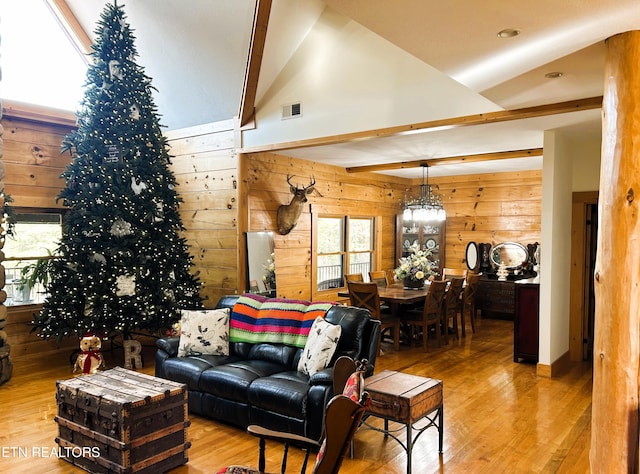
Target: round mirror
x=472 y=256
x=511 y=254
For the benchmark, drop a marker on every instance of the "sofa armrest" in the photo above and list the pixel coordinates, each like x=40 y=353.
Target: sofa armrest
x=372 y=346
x=322 y=377
x=169 y=345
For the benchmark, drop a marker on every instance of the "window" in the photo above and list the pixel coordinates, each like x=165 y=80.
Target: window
x=344 y=245
x=32 y=35
x=35 y=238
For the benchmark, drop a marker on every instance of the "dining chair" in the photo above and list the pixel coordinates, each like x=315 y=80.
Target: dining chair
x=451 y=307
x=365 y=295
x=430 y=315
x=448 y=273
x=379 y=277
x=343 y=415
x=353 y=277
x=391 y=276
x=468 y=302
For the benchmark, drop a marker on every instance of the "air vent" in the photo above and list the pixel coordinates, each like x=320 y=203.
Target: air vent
x=290 y=111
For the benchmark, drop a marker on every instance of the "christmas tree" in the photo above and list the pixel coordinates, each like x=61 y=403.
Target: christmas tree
x=122 y=265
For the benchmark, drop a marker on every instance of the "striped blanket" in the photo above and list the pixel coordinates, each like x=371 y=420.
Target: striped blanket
x=255 y=319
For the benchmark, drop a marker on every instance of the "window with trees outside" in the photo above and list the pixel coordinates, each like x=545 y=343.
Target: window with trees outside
x=35 y=238
x=345 y=245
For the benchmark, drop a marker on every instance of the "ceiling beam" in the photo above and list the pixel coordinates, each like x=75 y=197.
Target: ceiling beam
x=454 y=122
x=256 y=50
x=448 y=160
x=71 y=27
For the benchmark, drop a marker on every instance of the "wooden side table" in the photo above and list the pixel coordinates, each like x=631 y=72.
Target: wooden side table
x=406 y=399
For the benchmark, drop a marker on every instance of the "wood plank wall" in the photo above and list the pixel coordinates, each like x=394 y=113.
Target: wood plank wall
x=336 y=192
x=224 y=195
x=491 y=208
x=33 y=166
x=33 y=161
x=206 y=167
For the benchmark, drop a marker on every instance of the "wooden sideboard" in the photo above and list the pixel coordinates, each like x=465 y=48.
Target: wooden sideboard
x=497 y=299
x=517 y=301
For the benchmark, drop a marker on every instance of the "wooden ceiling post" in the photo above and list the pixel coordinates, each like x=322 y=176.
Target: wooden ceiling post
x=254 y=61
x=616 y=352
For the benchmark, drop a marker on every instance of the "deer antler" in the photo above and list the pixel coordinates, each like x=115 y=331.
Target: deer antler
x=311 y=183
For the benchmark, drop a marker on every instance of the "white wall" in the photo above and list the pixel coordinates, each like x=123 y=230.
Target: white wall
x=586 y=164
x=349 y=79
x=555 y=254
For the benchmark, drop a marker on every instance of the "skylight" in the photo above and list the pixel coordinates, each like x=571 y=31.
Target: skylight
x=39 y=63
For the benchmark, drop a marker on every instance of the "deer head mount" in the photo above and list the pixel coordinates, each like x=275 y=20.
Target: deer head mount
x=288 y=214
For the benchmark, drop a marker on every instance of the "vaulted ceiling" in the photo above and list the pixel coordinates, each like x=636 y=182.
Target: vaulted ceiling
x=197 y=52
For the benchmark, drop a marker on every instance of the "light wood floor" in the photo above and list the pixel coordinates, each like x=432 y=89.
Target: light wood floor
x=499 y=416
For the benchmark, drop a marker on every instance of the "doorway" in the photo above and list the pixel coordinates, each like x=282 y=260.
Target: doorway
x=584 y=232
x=591 y=234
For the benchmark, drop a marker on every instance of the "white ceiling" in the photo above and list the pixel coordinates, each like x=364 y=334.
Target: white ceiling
x=196 y=52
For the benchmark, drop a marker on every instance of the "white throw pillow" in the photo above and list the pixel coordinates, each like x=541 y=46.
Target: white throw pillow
x=321 y=344
x=204 y=331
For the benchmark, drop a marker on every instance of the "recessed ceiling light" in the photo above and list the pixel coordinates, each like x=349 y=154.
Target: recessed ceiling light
x=553 y=75
x=508 y=33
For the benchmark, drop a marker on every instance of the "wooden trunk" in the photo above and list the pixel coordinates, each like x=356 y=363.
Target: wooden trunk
x=6 y=367
x=404 y=398
x=121 y=421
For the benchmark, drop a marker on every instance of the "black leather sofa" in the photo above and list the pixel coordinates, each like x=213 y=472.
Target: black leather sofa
x=260 y=383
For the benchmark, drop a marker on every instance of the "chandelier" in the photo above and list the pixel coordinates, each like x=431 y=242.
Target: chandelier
x=427 y=206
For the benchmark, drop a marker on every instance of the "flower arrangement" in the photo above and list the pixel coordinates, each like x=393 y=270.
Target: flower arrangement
x=415 y=267
x=269 y=276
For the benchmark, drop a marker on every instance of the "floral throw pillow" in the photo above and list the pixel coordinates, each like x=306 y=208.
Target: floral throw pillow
x=320 y=346
x=204 y=331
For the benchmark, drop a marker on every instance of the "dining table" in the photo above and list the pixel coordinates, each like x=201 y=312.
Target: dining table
x=397 y=294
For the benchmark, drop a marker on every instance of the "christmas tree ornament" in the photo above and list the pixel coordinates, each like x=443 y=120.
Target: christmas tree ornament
x=159 y=217
x=126 y=285
x=137 y=186
x=98 y=258
x=114 y=155
x=115 y=70
x=121 y=228
x=134 y=112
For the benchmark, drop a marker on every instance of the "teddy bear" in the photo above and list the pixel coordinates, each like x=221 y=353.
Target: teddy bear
x=90 y=358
